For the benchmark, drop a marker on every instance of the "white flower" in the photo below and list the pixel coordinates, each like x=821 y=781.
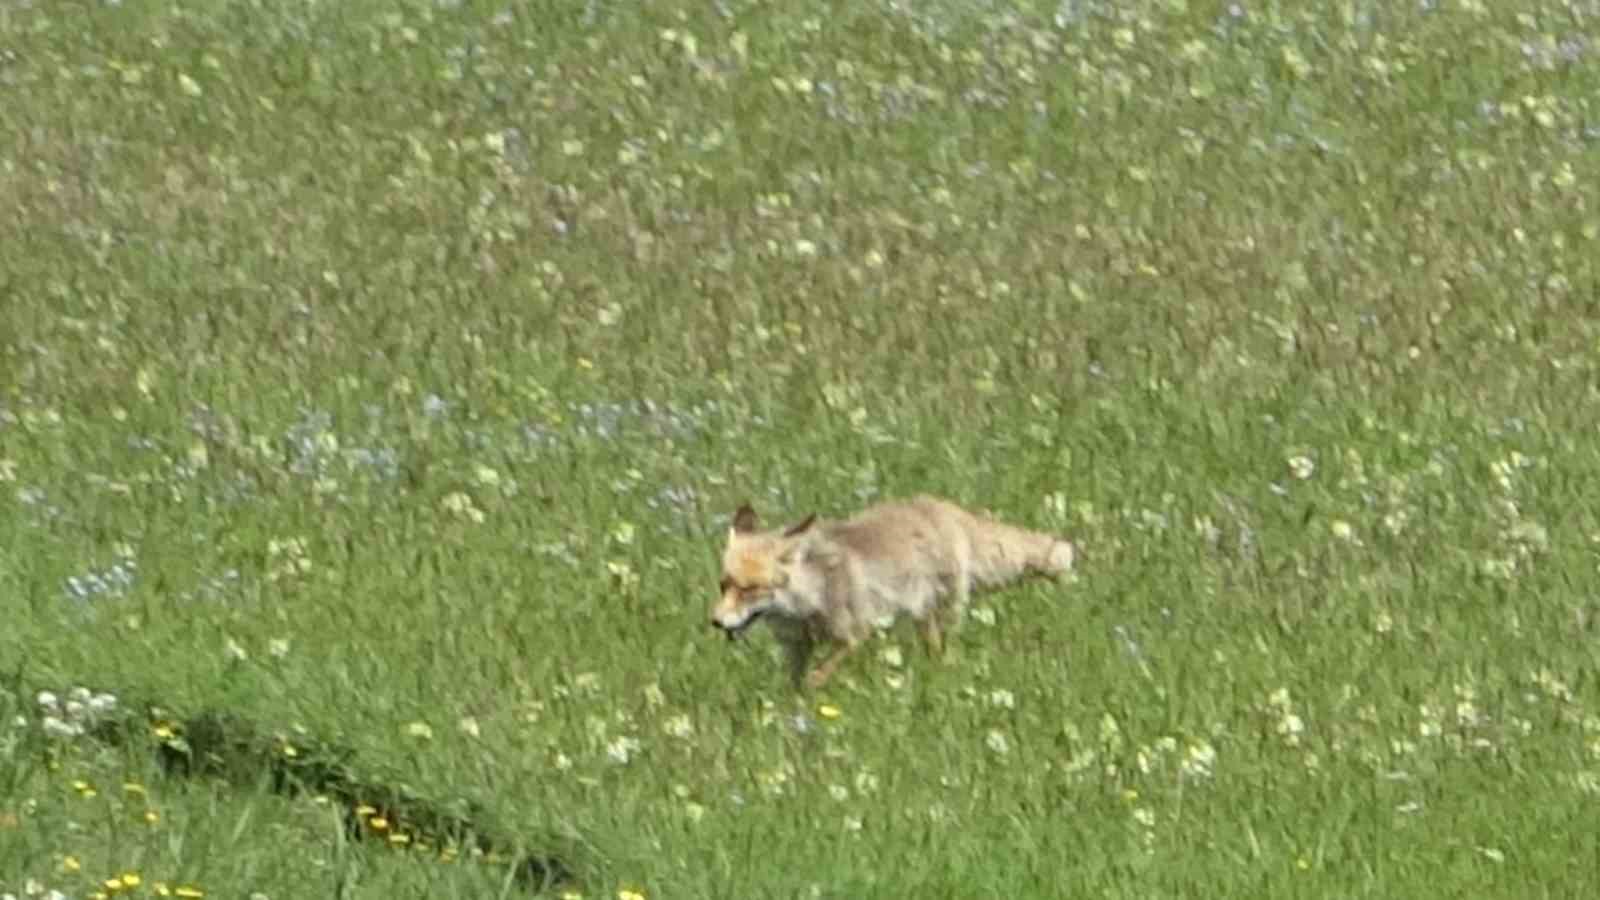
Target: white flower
x=1199 y=760
x=997 y=742
x=59 y=728
x=1301 y=467
x=622 y=749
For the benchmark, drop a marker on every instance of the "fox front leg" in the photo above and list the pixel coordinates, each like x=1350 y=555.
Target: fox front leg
x=820 y=675
x=932 y=634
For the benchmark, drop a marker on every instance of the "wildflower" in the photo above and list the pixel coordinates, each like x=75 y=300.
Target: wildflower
x=622 y=749
x=1301 y=467
x=828 y=711
x=996 y=741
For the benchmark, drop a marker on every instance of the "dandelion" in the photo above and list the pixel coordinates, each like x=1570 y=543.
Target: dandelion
x=1342 y=530
x=1296 y=62
x=828 y=711
x=626 y=894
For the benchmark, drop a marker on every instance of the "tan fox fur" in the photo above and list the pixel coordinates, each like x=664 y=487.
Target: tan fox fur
x=837 y=580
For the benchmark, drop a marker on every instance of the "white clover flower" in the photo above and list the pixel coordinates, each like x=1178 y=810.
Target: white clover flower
x=997 y=742
x=1302 y=467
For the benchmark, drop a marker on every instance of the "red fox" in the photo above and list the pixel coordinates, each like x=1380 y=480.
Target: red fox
x=837 y=580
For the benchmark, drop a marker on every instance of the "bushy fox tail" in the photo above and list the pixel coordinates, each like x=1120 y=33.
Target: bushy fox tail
x=1003 y=553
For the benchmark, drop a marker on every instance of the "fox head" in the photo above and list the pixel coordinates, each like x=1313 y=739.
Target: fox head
x=755 y=570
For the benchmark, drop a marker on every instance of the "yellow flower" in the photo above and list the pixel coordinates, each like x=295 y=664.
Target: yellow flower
x=399 y=839
x=133 y=787
x=626 y=894
x=378 y=823
x=187 y=891
x=69 y=863
x=131 y=879
x=828 y=711
x=151 y=817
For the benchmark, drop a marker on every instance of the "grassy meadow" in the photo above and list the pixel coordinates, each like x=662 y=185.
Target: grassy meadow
x=384 y=375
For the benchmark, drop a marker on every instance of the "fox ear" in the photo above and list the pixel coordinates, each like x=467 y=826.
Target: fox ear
x=744 y=519
x=802 y=526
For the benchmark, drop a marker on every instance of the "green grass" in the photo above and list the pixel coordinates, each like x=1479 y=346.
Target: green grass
x=385 y=373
